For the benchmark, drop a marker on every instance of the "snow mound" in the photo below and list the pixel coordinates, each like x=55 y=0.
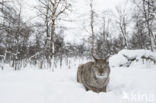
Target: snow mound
x=44 y=86
x=131 y=58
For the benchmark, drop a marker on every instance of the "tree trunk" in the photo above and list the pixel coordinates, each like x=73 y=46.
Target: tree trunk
x=92 y=27
x=150 y=32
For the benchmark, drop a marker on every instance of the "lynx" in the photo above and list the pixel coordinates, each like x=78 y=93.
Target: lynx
x=94 y=75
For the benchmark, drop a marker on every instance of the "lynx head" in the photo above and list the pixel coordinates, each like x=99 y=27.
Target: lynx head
x=101 y=68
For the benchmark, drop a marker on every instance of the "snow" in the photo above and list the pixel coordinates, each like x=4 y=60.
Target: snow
x=136 y=53
x=45 y=86
x=121 y=59
x=117 y=60
x=132 y=84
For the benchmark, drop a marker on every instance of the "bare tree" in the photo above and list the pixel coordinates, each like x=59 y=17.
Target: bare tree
x=122 y=22
x=103 y=38
x=52 y=10
x=147 y=9
x=92 y=26
x=15 y=33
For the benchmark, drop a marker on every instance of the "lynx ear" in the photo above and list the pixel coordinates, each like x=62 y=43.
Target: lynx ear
x=95 y=59
x=107 y=58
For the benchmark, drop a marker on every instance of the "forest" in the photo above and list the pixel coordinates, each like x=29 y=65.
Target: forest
x=22 y=42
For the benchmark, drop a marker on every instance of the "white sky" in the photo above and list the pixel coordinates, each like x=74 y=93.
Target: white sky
x=79 y=14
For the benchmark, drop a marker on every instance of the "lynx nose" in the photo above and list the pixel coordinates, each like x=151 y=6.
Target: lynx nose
x=101 y=70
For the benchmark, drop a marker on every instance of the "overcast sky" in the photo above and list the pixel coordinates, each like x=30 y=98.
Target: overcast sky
x=79 y=15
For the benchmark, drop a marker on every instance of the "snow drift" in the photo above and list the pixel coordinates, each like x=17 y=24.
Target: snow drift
x=130 y=58
x=45 y=86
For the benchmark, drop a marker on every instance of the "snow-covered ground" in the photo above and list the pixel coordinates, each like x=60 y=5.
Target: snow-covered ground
x=127 y=85
x=44 y=86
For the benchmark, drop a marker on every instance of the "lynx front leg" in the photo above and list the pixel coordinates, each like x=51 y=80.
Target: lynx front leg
x=104 y=89
x=86 y=88
x=79 y=73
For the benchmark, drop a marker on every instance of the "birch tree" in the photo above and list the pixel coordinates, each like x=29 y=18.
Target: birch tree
x=92 y=26
x=147 y=10
x=14 y=31
x=122 y=22
x=52 y=10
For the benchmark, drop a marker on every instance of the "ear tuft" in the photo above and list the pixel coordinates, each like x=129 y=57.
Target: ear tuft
x=107 y=58
x=95 y=59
